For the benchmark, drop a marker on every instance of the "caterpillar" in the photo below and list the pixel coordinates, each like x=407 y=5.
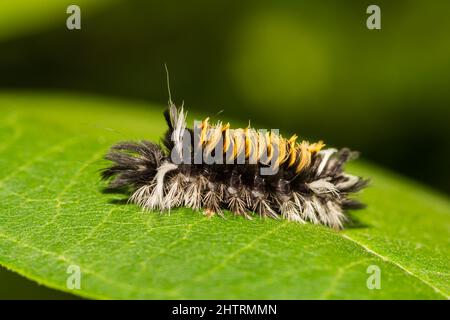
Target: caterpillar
x=246 y=171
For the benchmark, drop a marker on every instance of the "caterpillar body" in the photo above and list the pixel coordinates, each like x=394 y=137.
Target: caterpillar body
x=306 y=182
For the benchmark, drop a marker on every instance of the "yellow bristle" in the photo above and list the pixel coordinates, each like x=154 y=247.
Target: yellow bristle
x=316 y=147
x=292 y=152
x=204 y=126
x=261 y=144
x=215 y=135
x=280 y=142
x=253 y=158
x=226 y=139
x=226 y=126
x=248 y=146
x=239 y=142
x=269 y=146
x=305 y=156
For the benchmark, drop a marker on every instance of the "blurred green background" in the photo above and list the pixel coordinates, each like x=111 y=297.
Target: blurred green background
x=307 y=67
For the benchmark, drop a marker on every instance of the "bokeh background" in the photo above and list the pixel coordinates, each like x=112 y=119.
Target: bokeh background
x=310 y=67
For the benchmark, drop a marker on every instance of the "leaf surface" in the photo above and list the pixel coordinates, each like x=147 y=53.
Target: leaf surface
x=54 y=214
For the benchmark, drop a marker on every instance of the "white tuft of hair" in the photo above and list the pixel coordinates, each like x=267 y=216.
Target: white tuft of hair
x=141 y=195
x=322 y=186
x=193 y=194
x=289 y=211
x=336 y=217
x=175 y=192
x=348 y=183
x=305 y=208
x=156 y=199
x=321 y=211
x=326 y=154
x=178 y=121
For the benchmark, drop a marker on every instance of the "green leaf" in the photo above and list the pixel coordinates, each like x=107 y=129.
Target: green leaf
x=54 y=215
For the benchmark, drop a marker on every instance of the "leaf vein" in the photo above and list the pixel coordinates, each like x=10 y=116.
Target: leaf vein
x=396 y=264
x=238 y=252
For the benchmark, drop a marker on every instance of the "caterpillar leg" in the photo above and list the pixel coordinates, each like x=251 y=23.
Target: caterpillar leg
x=212 y=200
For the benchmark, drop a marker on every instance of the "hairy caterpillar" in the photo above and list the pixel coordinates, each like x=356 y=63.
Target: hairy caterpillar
x=306 y=182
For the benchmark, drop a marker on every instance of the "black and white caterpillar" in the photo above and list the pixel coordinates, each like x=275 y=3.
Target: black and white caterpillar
x=249 y=172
